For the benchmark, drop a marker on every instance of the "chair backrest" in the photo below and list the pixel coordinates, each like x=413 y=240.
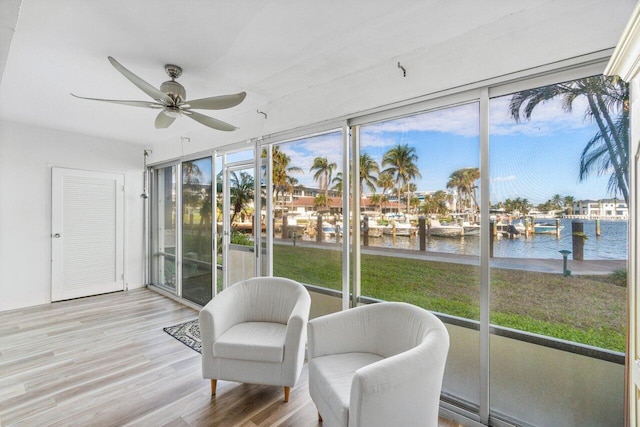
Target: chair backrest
x=391 y=328
x=267 y=299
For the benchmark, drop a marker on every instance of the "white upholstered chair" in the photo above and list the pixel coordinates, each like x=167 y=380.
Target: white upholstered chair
x=377 y=365
x=255 y=332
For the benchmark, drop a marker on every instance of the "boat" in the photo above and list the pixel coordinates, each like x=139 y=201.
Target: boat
x=546 y=228
x=374 y=225
x=470 y=229
x=375 y=228
x=399 y=229
x=328 y=230
x=445 y=230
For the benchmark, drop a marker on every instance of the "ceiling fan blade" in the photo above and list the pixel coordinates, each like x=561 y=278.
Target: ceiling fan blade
x=142 y=85
x=163 y=121
x=147 y=104
x=217 y=102
x=209 y=121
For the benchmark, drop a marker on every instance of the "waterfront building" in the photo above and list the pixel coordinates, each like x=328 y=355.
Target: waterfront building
x=601 y=209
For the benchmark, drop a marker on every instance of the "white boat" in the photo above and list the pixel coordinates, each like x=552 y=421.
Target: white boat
x=546 y=228
x=470 y=229
x=400 y=229
x=328 y=230
x=376 y=229
x=445 y=230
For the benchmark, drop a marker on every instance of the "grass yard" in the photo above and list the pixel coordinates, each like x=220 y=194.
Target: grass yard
x=584 y=309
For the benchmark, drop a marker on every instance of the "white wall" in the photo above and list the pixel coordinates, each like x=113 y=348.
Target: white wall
x=26 y=157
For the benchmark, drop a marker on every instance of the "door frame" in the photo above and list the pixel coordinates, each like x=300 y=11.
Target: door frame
x=57 y=223
x=226 y=217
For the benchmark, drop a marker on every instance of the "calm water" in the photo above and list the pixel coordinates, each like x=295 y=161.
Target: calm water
x=612 y=243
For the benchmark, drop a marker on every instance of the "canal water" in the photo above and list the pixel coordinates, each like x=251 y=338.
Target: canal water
x=612 y=243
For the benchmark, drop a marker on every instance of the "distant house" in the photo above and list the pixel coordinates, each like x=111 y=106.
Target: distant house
x=604 y=208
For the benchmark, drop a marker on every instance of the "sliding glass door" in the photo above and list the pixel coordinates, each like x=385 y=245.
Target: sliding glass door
x=197 y=231
x=240 y=223
x=163 y=228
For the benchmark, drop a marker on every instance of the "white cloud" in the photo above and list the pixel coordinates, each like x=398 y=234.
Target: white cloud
x=546 y=119
x=503 y=178
x=460 y=120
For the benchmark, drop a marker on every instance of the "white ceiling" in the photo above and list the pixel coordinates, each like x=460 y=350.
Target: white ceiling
x=300 y=61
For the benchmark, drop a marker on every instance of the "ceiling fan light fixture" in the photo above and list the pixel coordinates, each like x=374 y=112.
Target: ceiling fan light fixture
x=172 y=112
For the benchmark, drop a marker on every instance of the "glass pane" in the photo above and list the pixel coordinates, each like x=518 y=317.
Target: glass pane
x=163 y=228
x=242 y=258
x=197 y=231
x=559 y=190
x=420 y=227
x=219 y=219
x=307 y=214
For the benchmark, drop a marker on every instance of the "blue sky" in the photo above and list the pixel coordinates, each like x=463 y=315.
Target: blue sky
x=535 y=159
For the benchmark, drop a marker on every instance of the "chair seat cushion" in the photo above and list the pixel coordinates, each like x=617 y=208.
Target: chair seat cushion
x=252 y=341
x=332 y=376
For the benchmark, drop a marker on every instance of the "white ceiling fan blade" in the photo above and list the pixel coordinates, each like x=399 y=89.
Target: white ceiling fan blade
x=163 y=121
x=209 y=121
x=217 y=102
x=142 y=85
x=147 y=104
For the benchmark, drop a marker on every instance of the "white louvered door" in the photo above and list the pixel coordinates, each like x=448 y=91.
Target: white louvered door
x=87 y=233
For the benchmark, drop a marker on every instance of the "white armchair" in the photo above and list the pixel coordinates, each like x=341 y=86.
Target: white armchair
x=255 y=332
x=377 y=365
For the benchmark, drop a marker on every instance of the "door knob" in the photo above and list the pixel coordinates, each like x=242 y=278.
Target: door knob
x=57 y=235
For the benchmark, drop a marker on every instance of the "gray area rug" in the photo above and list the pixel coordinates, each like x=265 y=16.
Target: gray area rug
x=187 y=333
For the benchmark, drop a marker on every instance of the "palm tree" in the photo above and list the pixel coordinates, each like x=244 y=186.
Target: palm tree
x=568 y=202
x=337 y=183
x=435 y=204
x=464 y=181
x=368 y=167
x=324 y=172
x=608 y=107
x=281 y=171
x=456 y=182
x=385 y=182
x=191 y=175
x=241 y=192
x=401 y=161
x=556 y=202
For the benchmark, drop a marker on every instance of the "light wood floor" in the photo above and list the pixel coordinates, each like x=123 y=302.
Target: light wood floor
x=105 y=361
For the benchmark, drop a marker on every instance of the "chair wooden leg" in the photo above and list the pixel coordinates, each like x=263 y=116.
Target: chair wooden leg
x=213 y=387
x=319 y=417
x=286 y=393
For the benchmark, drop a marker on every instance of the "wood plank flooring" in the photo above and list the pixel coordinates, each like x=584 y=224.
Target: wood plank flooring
x=105 y=361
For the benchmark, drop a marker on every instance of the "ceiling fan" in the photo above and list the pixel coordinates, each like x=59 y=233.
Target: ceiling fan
x=171 y=100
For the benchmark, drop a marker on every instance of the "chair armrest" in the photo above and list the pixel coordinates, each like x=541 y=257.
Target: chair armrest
x=296 y=327
x=218 y=316
x=384 y=392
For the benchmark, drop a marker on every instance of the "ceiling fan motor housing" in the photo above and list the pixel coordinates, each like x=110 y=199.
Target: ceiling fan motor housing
x=175 y=90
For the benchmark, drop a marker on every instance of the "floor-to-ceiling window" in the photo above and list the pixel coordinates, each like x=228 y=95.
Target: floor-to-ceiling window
x=420 y=224
x=559 y=193
x=552 y=179
x=307 y=209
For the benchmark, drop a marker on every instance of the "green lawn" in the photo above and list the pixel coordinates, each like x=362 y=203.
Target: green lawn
x=585 y=309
